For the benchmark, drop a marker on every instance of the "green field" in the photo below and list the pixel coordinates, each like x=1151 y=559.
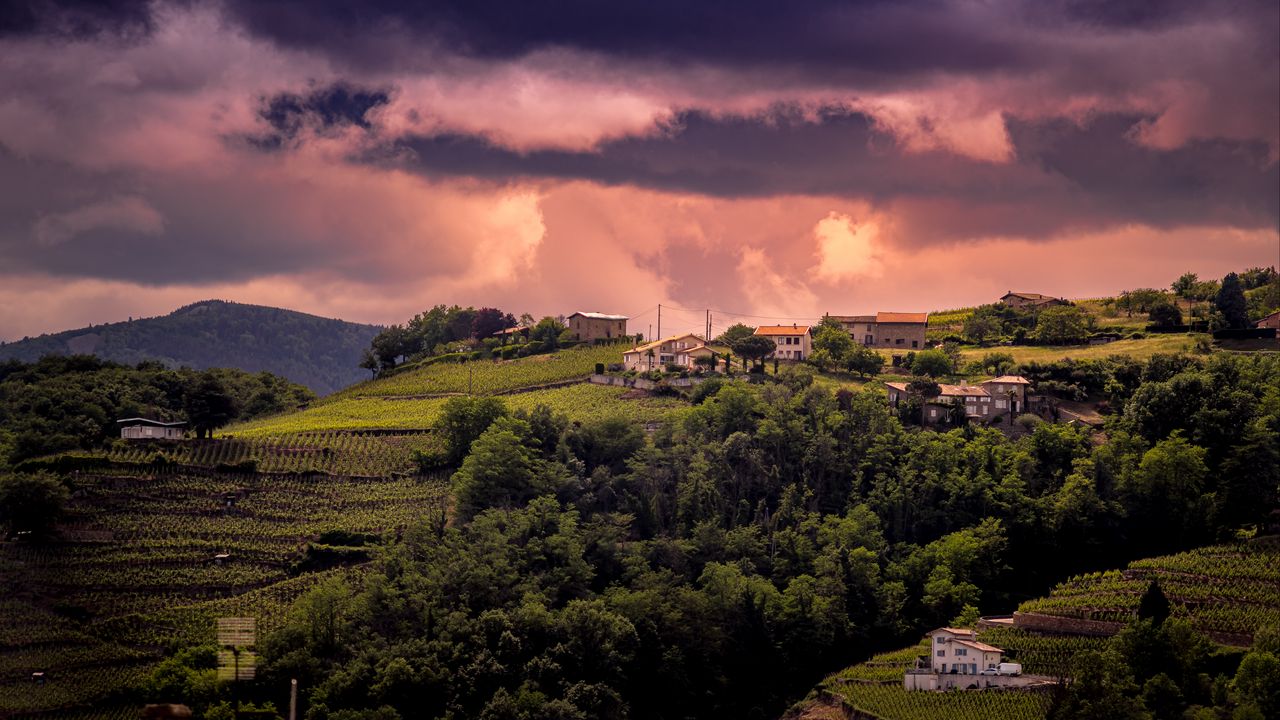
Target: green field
x=579 y=402
x=1139 y=349
x=137 y=566
x=485 y=377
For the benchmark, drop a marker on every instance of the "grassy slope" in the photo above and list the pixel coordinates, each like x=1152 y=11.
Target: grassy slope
x=1223 y=588
x=1140 y=349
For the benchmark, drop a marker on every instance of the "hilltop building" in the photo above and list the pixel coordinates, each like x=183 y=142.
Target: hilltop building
x=897 y=330
x=1002 y=395
x=146 y=429
x=1030 y=301
x=793 y=340
x=592 y=326
x=679 y=350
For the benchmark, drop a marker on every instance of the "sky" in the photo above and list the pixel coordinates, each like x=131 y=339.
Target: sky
x=773 y=161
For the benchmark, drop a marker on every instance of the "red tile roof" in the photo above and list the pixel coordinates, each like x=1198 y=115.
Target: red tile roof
x=901 y=317
x=782 y=330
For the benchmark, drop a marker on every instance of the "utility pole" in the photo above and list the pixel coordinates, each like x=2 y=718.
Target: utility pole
x=659 y=320
x=293 y=699
x=707 y=337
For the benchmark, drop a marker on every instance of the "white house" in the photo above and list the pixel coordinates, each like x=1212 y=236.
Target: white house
x=678 y=350
x=957 y=651
x=147 y=429
x=793 y=340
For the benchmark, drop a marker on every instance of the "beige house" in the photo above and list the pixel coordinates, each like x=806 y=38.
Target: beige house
x=894 y=330
x=1003 y=395
x=793 y=341
x=592 y=326
x=957 y=650
x=679 y=350
x=147 y=429
x=1026 y=300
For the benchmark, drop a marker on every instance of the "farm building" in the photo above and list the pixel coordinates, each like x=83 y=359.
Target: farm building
x=1270 y=321
x=678 y=350
x=1006 y=394
x=147 y=429
x=592 y=326
x=793 y=340
x=887 y=329
x=1030 y=301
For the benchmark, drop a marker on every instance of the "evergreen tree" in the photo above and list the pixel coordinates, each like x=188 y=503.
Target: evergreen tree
x=1231 y=303
x=1153 y=605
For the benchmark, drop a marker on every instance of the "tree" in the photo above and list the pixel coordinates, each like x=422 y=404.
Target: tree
x=369 y=362
x=499 y=471
x=1231 y=303
x=864 y=361
x=981 y=325
x=548 y=332
x=1165 y=314
x=392 y=344
x=1185 y=286
x=463 y=419
x=1258 y=682
x=734 y=333
x=488 y=321
x=31 y=502
x=209 y=404
x=835 y=342
x=1154 y=605
x=1061 y=325
x=754 y=347
x=933 y=363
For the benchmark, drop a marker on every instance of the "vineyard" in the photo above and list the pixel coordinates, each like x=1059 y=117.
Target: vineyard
x=580 y=402
x=335 y=453
x=150 y=558
x=1226 y=589
x=484 y=377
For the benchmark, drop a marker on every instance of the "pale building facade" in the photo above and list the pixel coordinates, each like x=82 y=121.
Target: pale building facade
x=592 y=326
x=679 y=350
x=891 y=330
x=1002 y=395
x=147 y=429
x=793 y=341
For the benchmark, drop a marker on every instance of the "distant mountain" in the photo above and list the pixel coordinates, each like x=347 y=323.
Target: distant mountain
x=320 y=353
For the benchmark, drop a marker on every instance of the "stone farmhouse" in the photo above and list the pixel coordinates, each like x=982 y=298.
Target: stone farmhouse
x=794 y=342
x=1002 y=395
x=897 y=330
x=1270 y=321
x=137 y=428
x=592 y=326
x=1030 y=301
x=679 y=350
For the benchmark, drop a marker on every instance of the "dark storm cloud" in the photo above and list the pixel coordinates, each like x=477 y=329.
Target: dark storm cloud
x=75 y=18
x=322 y=110
x=1064 y=175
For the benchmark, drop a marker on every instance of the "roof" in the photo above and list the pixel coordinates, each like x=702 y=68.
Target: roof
x=1028 y=296
x=656 y=343
x=512 y=330
x=782 y=330
x=600 y=316
x=953 y=631
x=979 y=646
x=149 y=421
x=854 y=318
x=901 y=317
x=1008 y=379
x=963 y=390
x=901 y=387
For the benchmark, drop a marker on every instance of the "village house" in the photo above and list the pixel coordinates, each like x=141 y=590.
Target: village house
x=957 y=650
x=592 y=326
x=896 y=330
x=1030 y=301
x=1002 y=395
x=146 y=429
x=1270 y=321
x=512 y=334
x=679 y=350
x=793 y=340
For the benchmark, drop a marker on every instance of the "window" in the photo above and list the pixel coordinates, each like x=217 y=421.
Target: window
x=915 y=343
x=1000 y=403
x=961 y=651
x=942 y=653
x=933 y=412
x=899 y=341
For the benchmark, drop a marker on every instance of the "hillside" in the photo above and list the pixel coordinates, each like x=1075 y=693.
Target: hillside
x=321 y=353
x=1227 y=592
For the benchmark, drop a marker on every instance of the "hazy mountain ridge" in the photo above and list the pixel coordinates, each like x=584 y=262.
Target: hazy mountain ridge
x=321 y=353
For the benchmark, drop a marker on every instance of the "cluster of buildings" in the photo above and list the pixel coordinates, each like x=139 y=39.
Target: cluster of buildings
x=1004 y=395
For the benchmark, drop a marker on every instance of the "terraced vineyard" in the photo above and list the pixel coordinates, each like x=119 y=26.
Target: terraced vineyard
x=892 y=702
x=1226 y=590
x=138 y=564
x=336 y=453
x=579 y=402
x=489 y=377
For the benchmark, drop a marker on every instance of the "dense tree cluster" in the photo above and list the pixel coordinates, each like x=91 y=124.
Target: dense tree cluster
x=768 y=535
x=73 y=402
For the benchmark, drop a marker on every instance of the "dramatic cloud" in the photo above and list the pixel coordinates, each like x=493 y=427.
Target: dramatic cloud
x=368 y=159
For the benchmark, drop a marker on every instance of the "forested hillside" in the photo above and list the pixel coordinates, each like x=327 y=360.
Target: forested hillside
x=321 y=353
